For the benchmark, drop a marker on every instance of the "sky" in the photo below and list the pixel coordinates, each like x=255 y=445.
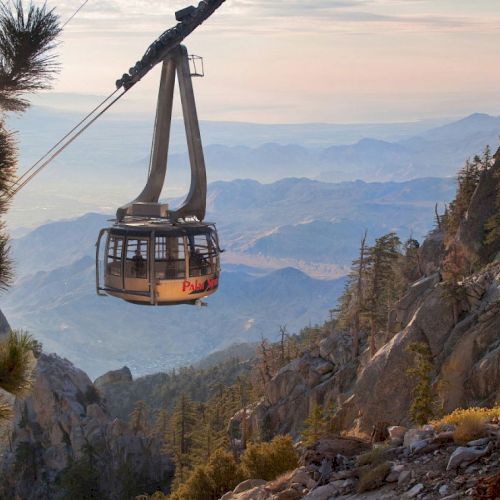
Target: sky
x=291 y=61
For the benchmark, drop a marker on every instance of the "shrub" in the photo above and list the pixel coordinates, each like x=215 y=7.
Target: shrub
x=470 y=427
x=198 y=487
x=224 y=473
x=460 y=414
x=373 y=457
x=269 y=460
x=373 y=477
x=211 y=481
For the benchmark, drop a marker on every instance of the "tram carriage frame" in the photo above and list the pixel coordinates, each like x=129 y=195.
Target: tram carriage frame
x=175 y=268
x=180 y=263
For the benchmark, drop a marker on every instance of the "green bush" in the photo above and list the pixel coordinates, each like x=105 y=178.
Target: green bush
x=373 y=477
x=268 y=460
x=211 y=481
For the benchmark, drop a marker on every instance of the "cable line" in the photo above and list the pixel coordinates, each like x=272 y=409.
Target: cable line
x=189 y=19
x=65 y=141
x=20 y=179
x=75 y=13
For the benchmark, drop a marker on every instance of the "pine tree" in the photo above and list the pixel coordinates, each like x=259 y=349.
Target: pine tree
x=454 y=269
x=81 y=480
x=359 y=271
x=468 y=180
x=421 y=409
x=161 y=425
x=411 y=263
x=180 y=441
x=492 y=226
x=315 y=426
x=383 y=284
x=16 y=352
x=27 y=65
x=139 y=418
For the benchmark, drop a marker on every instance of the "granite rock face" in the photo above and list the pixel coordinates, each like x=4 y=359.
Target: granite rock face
x=367 y=391
x=59 y=422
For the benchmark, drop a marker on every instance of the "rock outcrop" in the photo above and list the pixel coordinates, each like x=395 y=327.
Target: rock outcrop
x=466 y=360
x=4 y=324
x=64 y=420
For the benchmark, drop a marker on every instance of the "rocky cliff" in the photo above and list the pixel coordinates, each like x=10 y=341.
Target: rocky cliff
x=463 y=339
x=62 y=434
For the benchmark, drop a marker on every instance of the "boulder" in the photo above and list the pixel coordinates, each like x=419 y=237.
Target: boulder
x=123 y=375
x=413 y=492
x=431 y=252
x=257 y=493
x=396 y=471
x=248 y=485
x=302 y=477
x=464 y=456
x=337 y=348
x=330 y=448
x=396 y=432
x=414 y=435
x=322 y=492
x=288 y=494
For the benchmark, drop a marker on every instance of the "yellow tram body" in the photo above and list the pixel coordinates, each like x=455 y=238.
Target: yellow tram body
x=158 y=263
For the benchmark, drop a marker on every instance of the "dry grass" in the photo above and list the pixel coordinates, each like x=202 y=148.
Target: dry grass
x=461 y=414
x=470 y=427
x=280 y=483
x=373 y=477
x=373 y=457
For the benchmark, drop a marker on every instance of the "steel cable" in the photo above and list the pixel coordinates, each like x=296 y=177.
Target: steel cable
x=25 y=178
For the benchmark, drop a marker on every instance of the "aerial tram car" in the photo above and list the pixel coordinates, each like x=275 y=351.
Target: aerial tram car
x=152 y=254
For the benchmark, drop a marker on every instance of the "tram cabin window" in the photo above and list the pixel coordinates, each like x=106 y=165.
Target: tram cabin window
x=137 y=259
x=201 y=255
x=115 y=253
x=169 y=258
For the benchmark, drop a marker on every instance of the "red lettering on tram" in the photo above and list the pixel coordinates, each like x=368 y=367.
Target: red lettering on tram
x=200 y=286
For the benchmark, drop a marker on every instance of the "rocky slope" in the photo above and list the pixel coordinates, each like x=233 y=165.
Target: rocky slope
x=466 y=360
x=416 y=463
x=63 y=421
x=464 y=343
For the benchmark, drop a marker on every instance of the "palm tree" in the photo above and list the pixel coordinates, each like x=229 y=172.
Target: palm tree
x=27 y=64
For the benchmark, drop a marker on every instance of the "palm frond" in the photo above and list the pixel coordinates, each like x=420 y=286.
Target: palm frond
x=27 y=63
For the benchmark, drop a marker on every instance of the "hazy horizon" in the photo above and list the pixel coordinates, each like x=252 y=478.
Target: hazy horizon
x=326 y=61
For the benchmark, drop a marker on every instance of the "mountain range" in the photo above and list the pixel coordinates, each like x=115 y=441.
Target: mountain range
x=107 y=166
x=296 y=220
